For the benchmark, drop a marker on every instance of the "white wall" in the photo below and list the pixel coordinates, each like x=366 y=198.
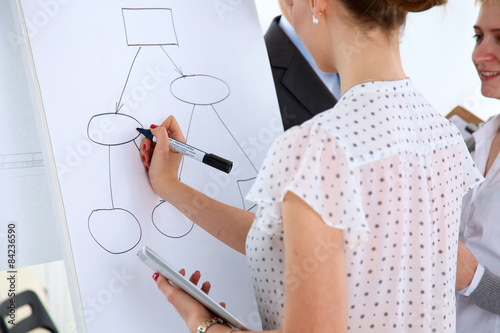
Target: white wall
x=436 y=48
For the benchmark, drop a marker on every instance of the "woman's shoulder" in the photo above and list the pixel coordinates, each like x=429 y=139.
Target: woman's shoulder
x=298 y=136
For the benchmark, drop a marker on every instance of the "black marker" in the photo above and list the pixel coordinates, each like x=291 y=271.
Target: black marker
x=183 y=148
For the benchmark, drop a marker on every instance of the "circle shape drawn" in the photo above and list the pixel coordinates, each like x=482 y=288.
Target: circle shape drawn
x=116 y=230
x=170 y=222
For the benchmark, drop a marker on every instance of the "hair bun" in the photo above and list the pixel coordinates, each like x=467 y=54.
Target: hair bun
x=415 y=5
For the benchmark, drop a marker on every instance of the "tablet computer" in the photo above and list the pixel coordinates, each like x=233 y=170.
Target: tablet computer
x=157 y=264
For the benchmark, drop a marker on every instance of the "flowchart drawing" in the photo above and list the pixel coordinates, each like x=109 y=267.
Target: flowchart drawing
x=120 y=76
x=145 y=28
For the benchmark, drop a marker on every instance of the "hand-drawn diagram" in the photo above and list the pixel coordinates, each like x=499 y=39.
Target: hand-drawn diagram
x=159 y=25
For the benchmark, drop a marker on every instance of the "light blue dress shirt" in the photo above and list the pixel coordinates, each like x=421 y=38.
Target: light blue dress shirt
x=331 y=80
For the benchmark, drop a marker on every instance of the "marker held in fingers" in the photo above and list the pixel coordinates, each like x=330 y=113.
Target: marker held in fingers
x=210 y=159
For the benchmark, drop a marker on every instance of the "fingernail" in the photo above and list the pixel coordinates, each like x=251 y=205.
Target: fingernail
x=143 y=158
x=147 y=169
x=153 y=126
x=155 y=276
x=144 y=147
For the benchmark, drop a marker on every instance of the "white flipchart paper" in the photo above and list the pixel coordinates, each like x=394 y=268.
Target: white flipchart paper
x=107 y=67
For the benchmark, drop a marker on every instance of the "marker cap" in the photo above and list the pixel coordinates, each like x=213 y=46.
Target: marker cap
x=218 y=162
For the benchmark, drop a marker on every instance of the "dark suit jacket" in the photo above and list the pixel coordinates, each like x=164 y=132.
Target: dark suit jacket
x=301 y=93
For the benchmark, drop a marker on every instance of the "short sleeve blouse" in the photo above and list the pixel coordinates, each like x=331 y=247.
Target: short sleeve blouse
x=388 y=170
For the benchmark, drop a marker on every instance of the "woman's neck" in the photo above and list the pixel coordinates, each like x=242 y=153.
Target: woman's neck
x=370 y=58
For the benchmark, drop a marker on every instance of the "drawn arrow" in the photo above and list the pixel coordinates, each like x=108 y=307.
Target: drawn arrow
x=177 y=69
x=119 y=104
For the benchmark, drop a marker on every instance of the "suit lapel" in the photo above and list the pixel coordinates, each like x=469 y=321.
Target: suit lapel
x=299 y=77
x=306 y=86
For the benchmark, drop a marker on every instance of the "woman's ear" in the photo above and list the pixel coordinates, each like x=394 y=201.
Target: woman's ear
x=319 y=6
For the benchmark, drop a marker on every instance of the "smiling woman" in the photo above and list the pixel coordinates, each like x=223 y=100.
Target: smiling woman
x=478 y=272
x=486 y=54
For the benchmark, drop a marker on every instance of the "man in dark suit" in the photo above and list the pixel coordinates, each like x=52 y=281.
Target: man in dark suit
x=301 y=92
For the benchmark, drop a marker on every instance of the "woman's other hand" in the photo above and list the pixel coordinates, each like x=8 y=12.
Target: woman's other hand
x=466 y=267
x=191 y=311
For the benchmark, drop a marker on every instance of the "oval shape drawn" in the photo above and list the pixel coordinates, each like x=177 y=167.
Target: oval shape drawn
x=112 y=129
x=199 y=89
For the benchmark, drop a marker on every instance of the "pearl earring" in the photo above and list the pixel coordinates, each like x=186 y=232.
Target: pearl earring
x=315 y=19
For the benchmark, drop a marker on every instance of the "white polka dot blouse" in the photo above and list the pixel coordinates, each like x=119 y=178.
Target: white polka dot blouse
x=389 y=171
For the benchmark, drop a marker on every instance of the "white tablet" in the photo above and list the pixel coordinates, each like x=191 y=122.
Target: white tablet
x=157 y=264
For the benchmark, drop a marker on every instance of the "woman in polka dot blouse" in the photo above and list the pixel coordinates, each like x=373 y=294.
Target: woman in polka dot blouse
x=358 y=208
